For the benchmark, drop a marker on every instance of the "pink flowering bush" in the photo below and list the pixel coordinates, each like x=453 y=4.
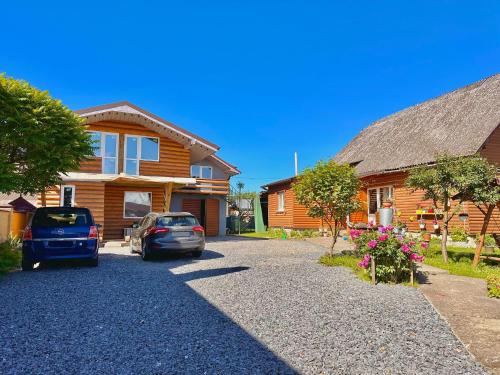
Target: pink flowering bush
x=393 y=254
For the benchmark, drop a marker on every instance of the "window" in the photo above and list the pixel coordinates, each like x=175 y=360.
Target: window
x=201 y=171
x=150 y=149
x=131 y=155
x=67 y=196
x=95 y=138
x=377 y=196
x=110 y=154
x=281 y=201
x=136 y=204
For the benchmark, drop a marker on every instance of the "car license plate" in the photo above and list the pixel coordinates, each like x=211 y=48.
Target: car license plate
x=181 y=234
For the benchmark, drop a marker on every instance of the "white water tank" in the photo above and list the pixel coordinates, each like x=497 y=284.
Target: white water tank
x=386 y=215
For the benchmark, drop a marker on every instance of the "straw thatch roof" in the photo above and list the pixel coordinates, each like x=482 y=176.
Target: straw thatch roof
x=457 y=123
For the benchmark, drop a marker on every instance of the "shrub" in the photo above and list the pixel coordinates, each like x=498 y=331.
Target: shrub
x=493 y=284
x=10 y=255
x=393 y=254
x=489 y=240
x=458 y=234
x=277 y=233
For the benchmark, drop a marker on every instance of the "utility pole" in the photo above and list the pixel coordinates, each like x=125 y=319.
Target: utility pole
x=296 y=164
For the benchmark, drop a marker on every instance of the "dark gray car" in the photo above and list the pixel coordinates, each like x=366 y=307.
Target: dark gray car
x=168 y=232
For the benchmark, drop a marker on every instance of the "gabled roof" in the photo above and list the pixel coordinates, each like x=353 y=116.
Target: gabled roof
x=229 y=168
x=128 y=112
x=279 y=182
x=18 y=202
x=457 y=123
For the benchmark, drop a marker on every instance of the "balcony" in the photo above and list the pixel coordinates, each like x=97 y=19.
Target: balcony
x=206 y=186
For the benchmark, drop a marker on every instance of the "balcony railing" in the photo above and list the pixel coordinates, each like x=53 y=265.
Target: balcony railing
x=206 y=186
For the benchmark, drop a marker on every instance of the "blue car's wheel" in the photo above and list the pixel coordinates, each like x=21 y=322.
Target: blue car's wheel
x=27 y=265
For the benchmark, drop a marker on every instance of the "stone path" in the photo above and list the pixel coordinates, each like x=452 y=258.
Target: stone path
x=464 y=304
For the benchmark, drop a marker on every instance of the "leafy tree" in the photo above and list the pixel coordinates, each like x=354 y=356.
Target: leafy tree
x=441 y=183
x=479 y=185
x=329 y=191
x=39 y=138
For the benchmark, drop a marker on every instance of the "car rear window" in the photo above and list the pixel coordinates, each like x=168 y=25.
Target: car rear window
x=61 y=217
x=176 y=221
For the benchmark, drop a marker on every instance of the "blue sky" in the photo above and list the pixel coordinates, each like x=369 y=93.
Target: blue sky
x=260 y=78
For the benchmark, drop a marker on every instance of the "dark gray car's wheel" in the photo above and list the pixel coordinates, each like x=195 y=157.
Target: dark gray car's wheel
x=197 y=253
x=144 y=251
x=27 y=265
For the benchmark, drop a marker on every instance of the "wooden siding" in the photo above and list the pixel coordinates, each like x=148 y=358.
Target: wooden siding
x=295 y=215
x=174 y=158
x=406 y=201
x=114 y=222
x=280 y=219
x=491 y=148
x=212 y=217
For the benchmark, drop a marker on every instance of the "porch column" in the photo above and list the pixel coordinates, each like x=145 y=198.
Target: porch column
x=167 y=196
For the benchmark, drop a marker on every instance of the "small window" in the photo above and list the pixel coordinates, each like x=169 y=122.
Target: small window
x=95 y=138
x=201 y=171
x=150 y=148
x=281 y=201
x=67 y=196
x=136 y=204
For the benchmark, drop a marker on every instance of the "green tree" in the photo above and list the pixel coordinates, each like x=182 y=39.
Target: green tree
x=329 y=191
x=479 y=185
x=39 y=138
x=441 y=183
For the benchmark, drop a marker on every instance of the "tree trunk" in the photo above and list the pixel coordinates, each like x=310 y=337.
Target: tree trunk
x=43 y=198
x=444 y=249
x=480 y=244
x=333 y=231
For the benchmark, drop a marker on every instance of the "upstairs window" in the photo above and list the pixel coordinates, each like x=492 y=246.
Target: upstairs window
x=95 y=138
x=110 y=153
x=150 y=149
x=131 y=155
x=201 y=171
x=281 y=201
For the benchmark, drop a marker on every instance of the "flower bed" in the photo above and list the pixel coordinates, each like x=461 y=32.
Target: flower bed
x=393 y=254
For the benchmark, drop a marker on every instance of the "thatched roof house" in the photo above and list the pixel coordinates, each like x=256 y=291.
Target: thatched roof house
x=458 y=123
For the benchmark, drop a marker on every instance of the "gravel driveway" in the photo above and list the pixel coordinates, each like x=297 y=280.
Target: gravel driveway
x=247 y=306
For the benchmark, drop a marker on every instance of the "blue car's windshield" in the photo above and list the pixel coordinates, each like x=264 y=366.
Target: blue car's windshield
x=176 y=221
x=61 y=217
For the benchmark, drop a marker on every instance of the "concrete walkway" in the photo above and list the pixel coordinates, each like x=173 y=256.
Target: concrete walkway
x=464 y=304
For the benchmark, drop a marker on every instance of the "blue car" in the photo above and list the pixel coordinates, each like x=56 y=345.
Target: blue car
x=58 y=233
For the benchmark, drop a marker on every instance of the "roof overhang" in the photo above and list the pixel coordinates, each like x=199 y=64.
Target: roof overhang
x=124 y=179
x=128 y=112
x=228 y=168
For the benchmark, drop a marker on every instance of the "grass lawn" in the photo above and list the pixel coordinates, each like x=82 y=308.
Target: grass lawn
x=348 y=261
x=460 y=259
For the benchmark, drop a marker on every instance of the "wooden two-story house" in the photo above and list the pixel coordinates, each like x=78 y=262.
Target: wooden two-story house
x=143 y=163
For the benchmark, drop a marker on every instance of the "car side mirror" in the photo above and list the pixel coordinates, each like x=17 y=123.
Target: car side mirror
x=135 y=225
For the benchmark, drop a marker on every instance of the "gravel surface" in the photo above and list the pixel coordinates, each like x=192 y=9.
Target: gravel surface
x=247 y=306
